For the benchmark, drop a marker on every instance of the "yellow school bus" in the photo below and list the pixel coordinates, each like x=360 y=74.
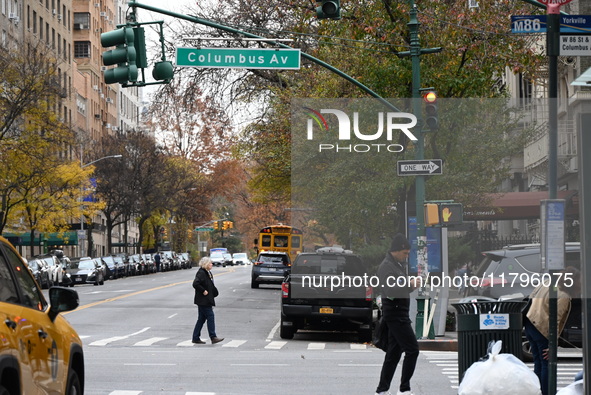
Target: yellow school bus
x=282 y=238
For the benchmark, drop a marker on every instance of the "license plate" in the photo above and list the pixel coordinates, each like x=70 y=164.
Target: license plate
x=272 y=269
x=326 y=310
x=78 y=279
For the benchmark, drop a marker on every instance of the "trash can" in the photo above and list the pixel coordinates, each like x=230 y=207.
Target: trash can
x=479 y=322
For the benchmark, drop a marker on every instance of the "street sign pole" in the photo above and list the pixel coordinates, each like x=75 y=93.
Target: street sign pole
x=553 y=51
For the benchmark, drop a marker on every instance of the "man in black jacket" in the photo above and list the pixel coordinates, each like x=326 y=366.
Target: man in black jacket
x=205 y=292
x=396 y=286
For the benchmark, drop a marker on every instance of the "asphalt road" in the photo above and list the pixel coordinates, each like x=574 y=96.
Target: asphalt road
x=137 y=340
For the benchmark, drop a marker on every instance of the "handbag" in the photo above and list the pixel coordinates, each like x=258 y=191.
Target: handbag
x=380 y=339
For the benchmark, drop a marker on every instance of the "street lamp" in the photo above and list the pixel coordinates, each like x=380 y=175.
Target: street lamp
x=82 y=166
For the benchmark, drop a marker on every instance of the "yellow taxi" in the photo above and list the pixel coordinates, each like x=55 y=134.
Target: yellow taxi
x=40 y=353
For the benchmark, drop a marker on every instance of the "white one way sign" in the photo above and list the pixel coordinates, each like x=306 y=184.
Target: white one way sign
x=419 y=167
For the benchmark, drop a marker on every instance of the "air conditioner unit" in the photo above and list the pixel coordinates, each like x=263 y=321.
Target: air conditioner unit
x=472 y=4
x=16 y=20
x=115 y=128
x=106 y=18
x=59 y=17
x=12 y=15
x=102 y=95
x=103 y=14
x=95 y=87
x=108 y=126
x=97 y=5
x=78 y=26
x=109 y=100
x=103 y=68
x=54 y=12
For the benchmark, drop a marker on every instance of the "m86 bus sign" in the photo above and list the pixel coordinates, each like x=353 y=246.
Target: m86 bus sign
x=575 y=24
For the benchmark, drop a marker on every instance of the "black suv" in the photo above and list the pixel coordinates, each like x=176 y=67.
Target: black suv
x=270 y=268
x=318 y=294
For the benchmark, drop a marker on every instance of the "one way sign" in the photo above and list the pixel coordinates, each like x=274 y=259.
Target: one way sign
x=419 y=167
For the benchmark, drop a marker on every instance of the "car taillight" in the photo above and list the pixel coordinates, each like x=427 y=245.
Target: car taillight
x=256 y=263
x=287 y=264
x=368 y=294
x=284 y=290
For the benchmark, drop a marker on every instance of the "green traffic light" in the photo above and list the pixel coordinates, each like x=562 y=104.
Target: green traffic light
x=329 y=9
x=163 y=71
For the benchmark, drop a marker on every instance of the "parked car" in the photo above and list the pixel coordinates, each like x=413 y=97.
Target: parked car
x=40 y=271
x=270 y=268
x=185 y=260
x=240 y=258
x=115 y=270
x=57 y=271
x=340 y=307
x=40 y=353
x=87 y=271
x=514 y=269
x=122 y=266
x=139 y=264
x=171 y=260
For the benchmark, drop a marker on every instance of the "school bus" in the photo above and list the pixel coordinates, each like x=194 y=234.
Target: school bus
x=282 y=238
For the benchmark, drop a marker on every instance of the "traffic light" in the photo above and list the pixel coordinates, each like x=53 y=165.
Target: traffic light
x=328 y=9
x=163 y=71
x=431 y=214
x=129 y=54
x=431 y=116
x=443 y=214
x=225 y=225
x=451 y=213
x=216 y=225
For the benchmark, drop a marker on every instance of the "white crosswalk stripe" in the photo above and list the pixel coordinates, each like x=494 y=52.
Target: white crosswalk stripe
x=275 y=345
x=448 y=362
x=157 y=341
x=234 y=343
x=150 y=341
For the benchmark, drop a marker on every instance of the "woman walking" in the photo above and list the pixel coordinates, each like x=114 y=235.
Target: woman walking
x=205 y=292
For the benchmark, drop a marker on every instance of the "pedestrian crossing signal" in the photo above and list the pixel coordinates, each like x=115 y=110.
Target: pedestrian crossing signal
x=443 y=214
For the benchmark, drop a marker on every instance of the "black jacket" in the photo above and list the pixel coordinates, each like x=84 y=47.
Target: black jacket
x=395 y=298
x=204 y=282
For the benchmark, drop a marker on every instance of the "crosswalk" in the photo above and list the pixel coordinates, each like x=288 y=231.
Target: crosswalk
x=135 y=340
x=448 y=363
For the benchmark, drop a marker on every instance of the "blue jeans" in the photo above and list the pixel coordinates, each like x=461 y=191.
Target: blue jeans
x=538 y=343
x=205 y=314
x=401 y=339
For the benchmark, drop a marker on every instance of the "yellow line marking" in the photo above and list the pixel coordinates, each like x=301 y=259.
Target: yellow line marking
x=86 y=306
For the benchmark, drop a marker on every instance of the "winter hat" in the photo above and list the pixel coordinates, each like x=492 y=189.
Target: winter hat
x=399 y=243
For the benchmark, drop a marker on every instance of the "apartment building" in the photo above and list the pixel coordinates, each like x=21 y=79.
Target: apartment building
x=70 y=30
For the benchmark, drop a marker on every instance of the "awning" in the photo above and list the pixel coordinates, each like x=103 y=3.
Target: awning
x=49 y=239
x=520 y=205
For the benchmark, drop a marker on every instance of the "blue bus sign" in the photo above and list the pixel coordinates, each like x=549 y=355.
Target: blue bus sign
x=574 y=24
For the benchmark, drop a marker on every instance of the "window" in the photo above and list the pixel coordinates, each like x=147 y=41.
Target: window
x=8 y=292
x=81 y=20
x=82 y=49
x=266 y=241
x=32 y=296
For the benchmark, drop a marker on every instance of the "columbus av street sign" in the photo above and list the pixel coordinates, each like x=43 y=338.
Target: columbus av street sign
x=243 y=58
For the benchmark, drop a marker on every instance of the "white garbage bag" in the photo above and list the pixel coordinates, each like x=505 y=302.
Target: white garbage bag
x=575 y=388
x=500 y=374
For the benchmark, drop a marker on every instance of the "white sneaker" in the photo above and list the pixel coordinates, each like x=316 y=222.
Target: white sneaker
x=384 y=393
x=405 y=393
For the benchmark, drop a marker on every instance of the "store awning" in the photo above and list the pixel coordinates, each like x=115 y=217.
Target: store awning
x=49 y=239
x=520 y=205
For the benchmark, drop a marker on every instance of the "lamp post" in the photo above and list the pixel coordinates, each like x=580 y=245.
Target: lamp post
x=82 y=166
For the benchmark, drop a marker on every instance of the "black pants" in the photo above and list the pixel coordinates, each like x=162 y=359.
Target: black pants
x=401 y=339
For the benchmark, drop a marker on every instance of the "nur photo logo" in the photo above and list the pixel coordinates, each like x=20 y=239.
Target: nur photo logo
x=357 y=127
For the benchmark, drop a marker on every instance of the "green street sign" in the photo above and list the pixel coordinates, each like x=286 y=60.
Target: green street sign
x=242 y=58
x=203 y=229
